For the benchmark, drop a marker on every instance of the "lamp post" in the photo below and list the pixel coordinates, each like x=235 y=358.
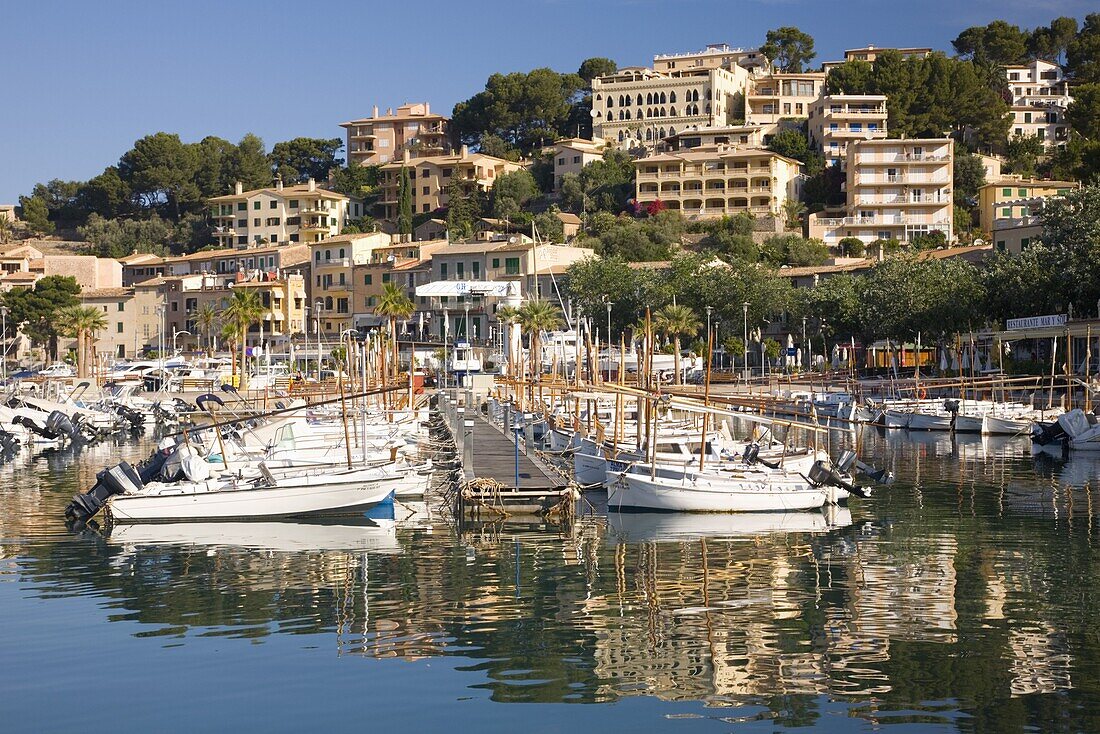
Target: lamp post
x=160 y=336
x=709 y=310
x=446 y=329
x=608 y=305
x=745 y=342
x=176 y=334
x=805 y=347
x=318 y=306
x=4 y=315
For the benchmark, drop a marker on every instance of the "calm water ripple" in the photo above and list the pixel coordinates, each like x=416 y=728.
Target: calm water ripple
x=962 y=598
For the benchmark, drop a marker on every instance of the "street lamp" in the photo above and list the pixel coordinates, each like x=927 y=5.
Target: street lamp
x=4 y=315
x=709 y=310
x=176 y=334
x=608 y=305
x=805 y=346
x=318 y=306
x=745 y=342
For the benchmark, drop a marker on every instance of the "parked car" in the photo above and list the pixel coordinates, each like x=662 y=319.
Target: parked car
x=57 y=369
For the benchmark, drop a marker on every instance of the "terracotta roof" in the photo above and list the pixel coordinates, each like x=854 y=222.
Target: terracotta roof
x=710 y=152
x=806 y=270
x=568 y=218
x=107 y=293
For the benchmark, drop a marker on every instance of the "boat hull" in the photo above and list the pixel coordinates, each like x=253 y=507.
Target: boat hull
x=295 y=498
x=638 y=492
x=996 y=426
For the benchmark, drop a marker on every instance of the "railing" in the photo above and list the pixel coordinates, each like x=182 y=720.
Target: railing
x=877 y=221
x=880 y=113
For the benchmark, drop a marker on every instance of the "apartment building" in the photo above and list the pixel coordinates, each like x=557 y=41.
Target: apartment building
x=714 y=56
x=140 y=267
x=430 y=176
x=837 y=119
x=779 y=96
x=283 y=296
x=406 y=265
x=1040 y=96
x=498 y=262
x=24 y=265
x=226 y=263
x=871 y=53
x=746 y=136
x=1017 y=232
x=1007 y=197
x=571 y=155
x=639 y=107
x=281 y=214
x=132 y=316
x=717 y=181
x=332 y=284
x=411 y=128
x=896 y=189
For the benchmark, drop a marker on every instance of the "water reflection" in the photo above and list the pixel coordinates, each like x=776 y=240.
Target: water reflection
x=962 y=595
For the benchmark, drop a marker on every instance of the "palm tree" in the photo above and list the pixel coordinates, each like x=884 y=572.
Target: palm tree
x=82 y=322
x=244 y=310
x=535 y=317
x=206 y=318
x=675 y=321
x=394 y=305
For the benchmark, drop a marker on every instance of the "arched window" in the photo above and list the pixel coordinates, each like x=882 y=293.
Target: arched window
x=672 y=130
x=662 y=112
x=649 y=99
x=599 y=97
x=649 y=133
x=708 y=108
x=672 y=111
x=598 y=114
x=639 y=100
x=672 y=98
x=663 y=100
x=328 y=303
x=341 y=253
x=709 y=97
x=318 y=256
x=661 y=134
x=621 y=136
x=628 y=114
x=610 y=101
x=622 y=101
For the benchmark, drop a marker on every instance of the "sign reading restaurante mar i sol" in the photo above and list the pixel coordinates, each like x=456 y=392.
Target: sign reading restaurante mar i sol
x=1036 y=322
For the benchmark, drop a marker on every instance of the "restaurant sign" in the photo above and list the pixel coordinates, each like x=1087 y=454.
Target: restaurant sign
x=1036 y=322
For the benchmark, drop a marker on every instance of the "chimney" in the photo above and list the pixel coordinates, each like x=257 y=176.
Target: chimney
x=407 y=155
x=465 y=151
x=375 y=112
x=279 y=182
x=427 y=108
x=238 y=188
x=311 y=185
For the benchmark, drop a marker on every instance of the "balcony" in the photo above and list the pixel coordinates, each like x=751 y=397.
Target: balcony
x=224 y=231
x=881 y=221
x=313 y=207
x=908 y=201
x=855 y=112
x=314 y=226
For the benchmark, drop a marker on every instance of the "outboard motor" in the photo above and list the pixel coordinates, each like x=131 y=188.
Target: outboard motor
x=117 y=480
x=823 y=474
x=1045 y=434
x=848 y=460
x=59 y=424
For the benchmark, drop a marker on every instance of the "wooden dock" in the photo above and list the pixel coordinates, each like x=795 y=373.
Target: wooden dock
x=492 y=463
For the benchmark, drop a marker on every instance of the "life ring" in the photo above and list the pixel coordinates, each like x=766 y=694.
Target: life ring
x=922 y=393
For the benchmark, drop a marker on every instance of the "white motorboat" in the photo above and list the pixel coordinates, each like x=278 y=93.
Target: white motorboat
x=995 y=425
x=895 y=418
x=289 y=494
x=776 y=491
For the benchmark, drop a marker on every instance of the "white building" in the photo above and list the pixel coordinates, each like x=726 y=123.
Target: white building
x=1040 y=96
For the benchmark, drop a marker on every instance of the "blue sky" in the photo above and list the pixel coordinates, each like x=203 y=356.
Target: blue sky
x=82 y=85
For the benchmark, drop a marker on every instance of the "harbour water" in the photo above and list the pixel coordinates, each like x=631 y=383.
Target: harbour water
x=965 y=597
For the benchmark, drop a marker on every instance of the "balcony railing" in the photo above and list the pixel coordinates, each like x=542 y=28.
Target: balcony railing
x=881 y=221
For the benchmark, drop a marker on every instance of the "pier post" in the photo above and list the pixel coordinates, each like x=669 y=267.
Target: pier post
x=528 y=432
x=468 y=446
x=460 y=436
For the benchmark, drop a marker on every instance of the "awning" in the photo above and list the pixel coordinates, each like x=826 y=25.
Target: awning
x=455 y=288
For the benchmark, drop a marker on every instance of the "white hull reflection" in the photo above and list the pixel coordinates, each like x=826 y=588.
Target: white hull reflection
x=283 y=537
x=663 y=527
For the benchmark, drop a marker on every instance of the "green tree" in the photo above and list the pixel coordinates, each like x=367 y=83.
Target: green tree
x=248 y=163
x=496 y=146
x=106 y=194
x=465 y=205
x=60 y=198
x=834 y=304
x=211 y=156
x=116 y=238
x=594 y=67
x=1084 y=112
x=160 y=171
x=969 y=176
x=1071 y=227
x=206 y=319
x=792 y=249
x=549 y=227
x=788 y=48
x=998 y=42
x=1083 y=52
x=527 y=110
x=302 y=158
x=1022 y=154
x=593 y=282
x=36 y=214
x=1024 y=284
x=1050 y=42
x=906 y=296
x=609 y=182
x=244 y=310
x=675 y=321
x=852 y=246
x=572 y=194
x=35 y=309
x=790 y=143
x=851 y=77
x=82 y=322
x=394 y=305
x=511 y=193
x=404 y=203
x=358 y=181
x=534 y=318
